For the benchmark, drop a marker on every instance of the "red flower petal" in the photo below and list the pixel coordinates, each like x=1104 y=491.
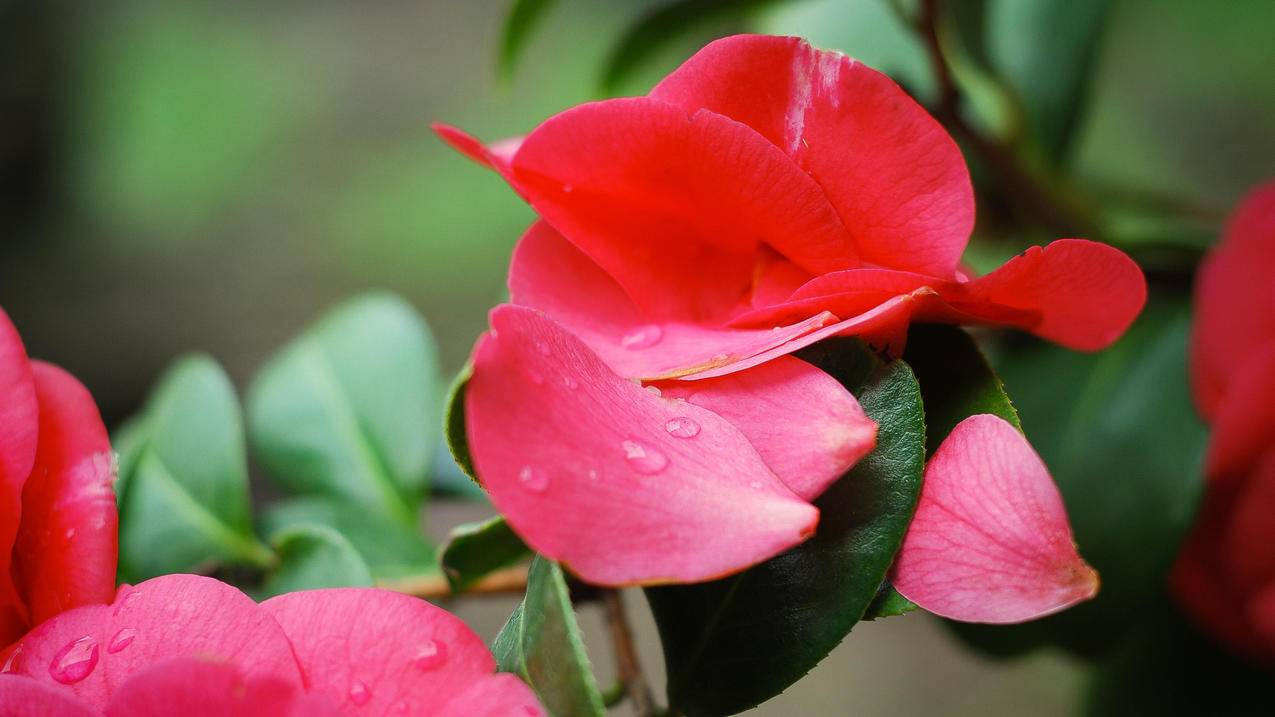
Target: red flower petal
x=95 y=649
x=198 y=687
x=990 y=541
x=896 y=178
x=497 y=156
x=1244 y=418
x=66 y=547
x=655 y=195
x=1247 y=548
x=390 y=653
x=24 y=697
x=586 y=469
x=805 y=425
x=19 y=422
x=551 y=275
x=1235 y=304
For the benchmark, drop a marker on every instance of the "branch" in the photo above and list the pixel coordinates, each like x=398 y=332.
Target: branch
x=434 y=587
x=626 y=659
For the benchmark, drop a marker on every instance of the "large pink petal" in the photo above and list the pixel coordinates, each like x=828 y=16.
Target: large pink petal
x=805 y=425
x=551 y=275
x=66 y=547
x=990 y=540
x=389 y=653
x=502 y=695
x=674 y=205
x=1244 y=419
x=95 y=649
x=199 y=687
x=24 y=697
x=586 y=469
x=19 y=423
x=1235 y=304
x=896 y=178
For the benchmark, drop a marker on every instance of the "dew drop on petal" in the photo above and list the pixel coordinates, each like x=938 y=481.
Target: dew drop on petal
x=654 y=390
x=593 y=475
x=535 y=377
x=543 y=348
x=75 y=661
x=754 y=484
x=431 y=655
x=360 y=694
x=533 y=479
x=642 y=337
x=13 y=662
x=643 y=458
x=718 y=358
x=122 y=639
x=682 y=427
x=570 y=383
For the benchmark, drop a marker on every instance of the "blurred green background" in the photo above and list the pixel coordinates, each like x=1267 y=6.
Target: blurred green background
x=198 y=175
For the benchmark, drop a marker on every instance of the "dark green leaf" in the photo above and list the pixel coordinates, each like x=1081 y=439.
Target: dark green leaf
x=391 y=549
x=457 y=439
x=1046 y=50
x=888 y=603
x=311 y=557
x=348 y=408
x=520 y=23
x=1118 y=432
x=184 y=506
x=541 y=643
x=475 y=550
x=734 y=643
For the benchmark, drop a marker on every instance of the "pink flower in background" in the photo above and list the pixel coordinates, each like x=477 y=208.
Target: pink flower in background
x=57 y=507
x=634 y=412
x=192 y=646
x=1225 y=576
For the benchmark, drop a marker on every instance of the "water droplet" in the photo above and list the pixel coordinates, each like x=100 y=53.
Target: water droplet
x=75 y=661
x=126 y=596
x=682 y=427
x=122 y=639
x=543 y=348
x=570 y=383
x=360 y=694
x=567 y=188
x=14 y=661
x=403 y=707
x=643 y=458
x=431 y=655
x=654 y=390
x=754 y=484
x=593 y=475
x=718 y=358
x=533 y=480
x=642 y=337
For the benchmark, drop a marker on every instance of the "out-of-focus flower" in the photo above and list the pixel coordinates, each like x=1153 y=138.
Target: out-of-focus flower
x=192 y=646
x=57 y=506
x=1225 y=576
x=764 y=196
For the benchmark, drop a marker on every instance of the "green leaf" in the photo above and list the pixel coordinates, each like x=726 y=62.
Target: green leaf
x=520 y=23
x=454 y=421
x=888 y=603
x=391 y=549
x=475 y=550
x=731 y=644
x=658 y=28
x=956 y=381
x=347 y=409
x=1046 y=50
x=541 y=643
x=184 y=506
x=1119 y=433
x=314 y=556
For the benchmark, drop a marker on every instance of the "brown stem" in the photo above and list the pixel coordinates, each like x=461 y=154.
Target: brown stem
x=626 y=659
x=433 y=587
x=1016 y=180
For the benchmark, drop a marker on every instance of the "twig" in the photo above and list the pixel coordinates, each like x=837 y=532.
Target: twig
x=1015 y=179
x=433 y=587
x=626 y=659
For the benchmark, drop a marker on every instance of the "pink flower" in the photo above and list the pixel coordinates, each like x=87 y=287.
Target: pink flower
x=1225 y=575
x=763 y=197
x=192 y=646
x=57 y=508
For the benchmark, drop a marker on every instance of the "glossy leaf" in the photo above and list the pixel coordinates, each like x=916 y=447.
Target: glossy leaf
x=1131 y=500
x=347 y=409
x=475 y=550
x=312 y=557
x=523 y=19
x=184 y=506
x=391 y=549
x=734 y=643
x=541 y=643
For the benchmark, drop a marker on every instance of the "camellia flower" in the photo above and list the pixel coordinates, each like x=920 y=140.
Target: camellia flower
x=57 y=507
x=1225 y=575
x=634 y=412
x=192 y=646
